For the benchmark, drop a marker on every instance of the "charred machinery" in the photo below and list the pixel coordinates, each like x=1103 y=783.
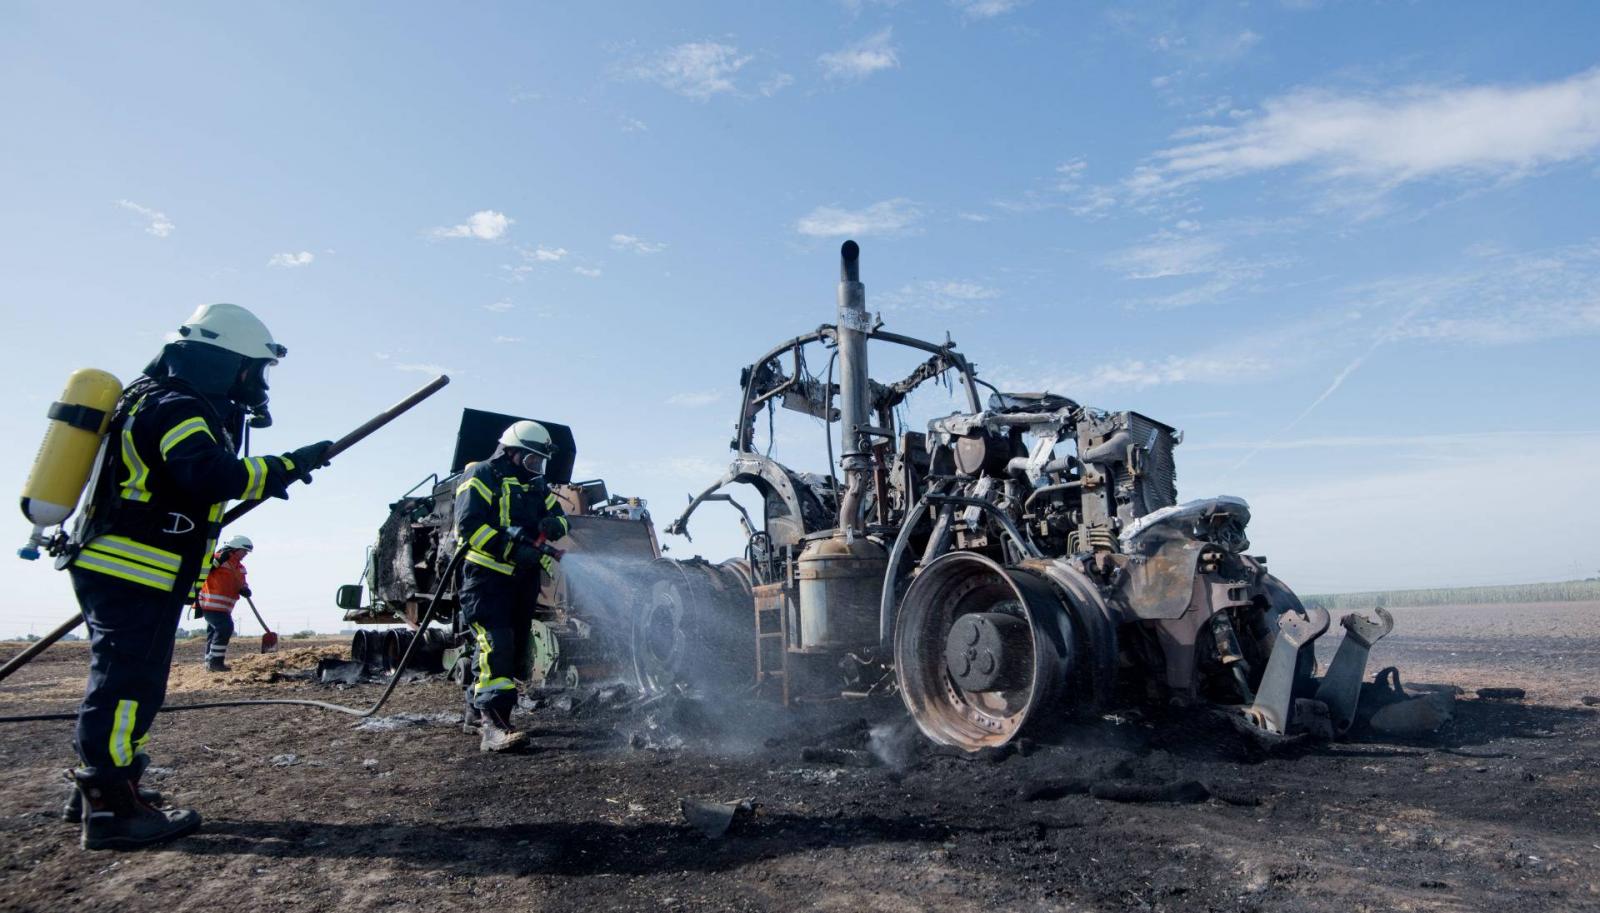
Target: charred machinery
x=579 y=631
x=1020 y=560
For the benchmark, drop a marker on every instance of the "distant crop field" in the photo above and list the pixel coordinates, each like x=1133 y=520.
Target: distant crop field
x=1564 y=591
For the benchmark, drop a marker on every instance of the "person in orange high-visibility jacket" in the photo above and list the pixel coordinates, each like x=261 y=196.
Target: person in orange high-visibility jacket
x=222 y=589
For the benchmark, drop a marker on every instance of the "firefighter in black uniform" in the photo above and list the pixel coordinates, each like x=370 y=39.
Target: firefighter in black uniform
x=504 y=515
x=145 y=542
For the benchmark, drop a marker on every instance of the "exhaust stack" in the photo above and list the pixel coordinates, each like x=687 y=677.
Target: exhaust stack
x=854 y=390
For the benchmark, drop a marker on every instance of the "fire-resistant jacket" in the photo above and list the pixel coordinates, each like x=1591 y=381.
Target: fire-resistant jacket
x=170 y=467
x=221 y=589
x=491 y=499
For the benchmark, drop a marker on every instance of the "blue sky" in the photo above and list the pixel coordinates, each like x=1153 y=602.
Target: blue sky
x=1349 y=248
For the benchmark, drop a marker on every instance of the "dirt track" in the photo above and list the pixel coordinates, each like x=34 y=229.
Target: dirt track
x=305 y=811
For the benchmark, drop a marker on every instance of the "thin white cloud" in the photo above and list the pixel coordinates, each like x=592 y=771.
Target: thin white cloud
x=587 y=271
x=1200 y=260
x=939 y=295
x=499 y=307
x=1169 y=256
x=544 y=254
x=633 y=125
x=887 y=218
x=484 y=225
x=507 y=339
x=776 y=84
x=1504 y=299
x=860 y=60
x=1064 y=189
x=157 y=222
x=636 y=244
x=423 y=368
x=290 y=260
x=985 y=9
x=697 y=69
x=1388 y=139
x=1142 y=374
x=694 y=398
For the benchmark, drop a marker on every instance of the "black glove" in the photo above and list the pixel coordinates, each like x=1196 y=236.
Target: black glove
x=525 y=553
x=245 y=592
x=308 y=458
x=552 y=528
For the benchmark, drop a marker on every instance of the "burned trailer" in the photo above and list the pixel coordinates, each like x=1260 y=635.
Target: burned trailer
x=580 y=630
x=1021 y=560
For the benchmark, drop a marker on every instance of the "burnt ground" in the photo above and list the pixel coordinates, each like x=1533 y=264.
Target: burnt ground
x=307 y=811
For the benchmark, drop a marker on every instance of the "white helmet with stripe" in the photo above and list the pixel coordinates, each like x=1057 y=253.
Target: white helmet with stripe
x=529 y=436
x=231 y=327
x=240 y=543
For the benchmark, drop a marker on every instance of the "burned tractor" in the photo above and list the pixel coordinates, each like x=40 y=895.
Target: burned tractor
x=579 y=632
x=1015 y=562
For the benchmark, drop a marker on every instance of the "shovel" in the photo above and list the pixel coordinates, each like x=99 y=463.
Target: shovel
x=269 y=640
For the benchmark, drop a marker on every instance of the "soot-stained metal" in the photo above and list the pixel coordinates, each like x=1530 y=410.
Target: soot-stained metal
x=1024 y=559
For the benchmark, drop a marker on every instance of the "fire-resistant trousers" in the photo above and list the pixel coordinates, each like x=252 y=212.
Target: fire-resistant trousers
x=219 y=630
x=131 y=631
x=495 y=608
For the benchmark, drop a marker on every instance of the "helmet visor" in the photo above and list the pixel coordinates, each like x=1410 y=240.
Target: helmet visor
x=531 y=461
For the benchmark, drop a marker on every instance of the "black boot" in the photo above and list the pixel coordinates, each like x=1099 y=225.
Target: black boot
x=72 y=808
x=215 y=664
x=118 y=819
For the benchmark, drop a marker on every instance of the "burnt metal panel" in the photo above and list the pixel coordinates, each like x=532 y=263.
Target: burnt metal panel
x=480 y=431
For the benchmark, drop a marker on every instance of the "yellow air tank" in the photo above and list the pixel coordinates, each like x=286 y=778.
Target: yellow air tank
x=66 y=456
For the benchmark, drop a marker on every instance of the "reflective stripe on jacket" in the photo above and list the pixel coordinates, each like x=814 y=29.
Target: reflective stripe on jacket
x=491 y=499
x=221 y=590
x=170 y=467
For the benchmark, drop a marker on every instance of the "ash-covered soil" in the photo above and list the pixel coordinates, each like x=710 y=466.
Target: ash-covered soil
x=309 y=810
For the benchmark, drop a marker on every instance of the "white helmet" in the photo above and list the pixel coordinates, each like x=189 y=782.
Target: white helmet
x=530 y=436
x=240 y=543
x=231 y=327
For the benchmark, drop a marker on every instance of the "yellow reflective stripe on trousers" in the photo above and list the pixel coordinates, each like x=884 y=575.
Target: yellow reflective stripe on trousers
x=137 y=487
x=183 y=429
x=124 y=547
x=549 y=502
x=478 y=486
x=122 y=732
x=485 y=681
x=483 y=560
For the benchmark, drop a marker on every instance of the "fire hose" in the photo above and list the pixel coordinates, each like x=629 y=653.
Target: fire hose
x=540 y=545
x=238 y=510
x=394 y=681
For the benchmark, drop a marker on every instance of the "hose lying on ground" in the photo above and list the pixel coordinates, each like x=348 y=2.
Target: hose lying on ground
x=444 y=579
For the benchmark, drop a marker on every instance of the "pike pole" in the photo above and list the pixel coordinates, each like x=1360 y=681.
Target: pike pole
x=238 y=510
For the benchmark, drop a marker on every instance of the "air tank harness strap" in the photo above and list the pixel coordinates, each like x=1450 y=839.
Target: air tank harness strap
x=87 y=418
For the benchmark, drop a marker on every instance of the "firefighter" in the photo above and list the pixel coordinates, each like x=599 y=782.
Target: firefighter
x=504 y=514
x=144 y=543
x=222 y=589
